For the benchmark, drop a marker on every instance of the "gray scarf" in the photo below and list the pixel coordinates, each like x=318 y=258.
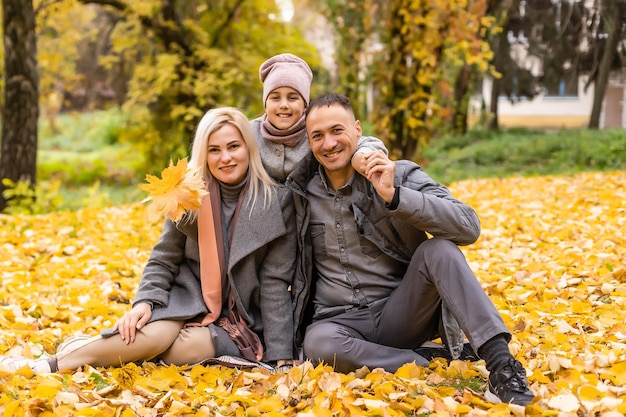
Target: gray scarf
x=287 y=137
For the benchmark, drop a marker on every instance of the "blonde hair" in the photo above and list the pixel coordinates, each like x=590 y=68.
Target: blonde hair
x=259 y=180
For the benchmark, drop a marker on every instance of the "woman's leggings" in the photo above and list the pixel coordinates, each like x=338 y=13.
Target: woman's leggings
x=168 y=340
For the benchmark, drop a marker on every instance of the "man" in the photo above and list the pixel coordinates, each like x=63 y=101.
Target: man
x=379 y=286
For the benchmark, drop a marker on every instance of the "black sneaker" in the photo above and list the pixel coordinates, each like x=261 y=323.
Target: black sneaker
x=508 y=385
x=436 y=350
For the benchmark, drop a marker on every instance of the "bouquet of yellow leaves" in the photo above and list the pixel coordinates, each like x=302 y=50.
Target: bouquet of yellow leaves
x=178 y=190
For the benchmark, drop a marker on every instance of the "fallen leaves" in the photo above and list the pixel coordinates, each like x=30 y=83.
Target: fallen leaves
x=552 y=258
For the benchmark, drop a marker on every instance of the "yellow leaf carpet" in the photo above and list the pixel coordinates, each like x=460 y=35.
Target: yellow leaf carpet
x=552 y=257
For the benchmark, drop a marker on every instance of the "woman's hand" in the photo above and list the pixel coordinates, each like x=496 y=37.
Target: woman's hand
x=132 y=321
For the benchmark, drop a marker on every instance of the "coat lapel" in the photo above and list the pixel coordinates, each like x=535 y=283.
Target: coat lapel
x=256 y=230
x=251 y=232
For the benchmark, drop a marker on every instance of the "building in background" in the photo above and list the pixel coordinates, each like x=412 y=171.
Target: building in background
x=568 y=107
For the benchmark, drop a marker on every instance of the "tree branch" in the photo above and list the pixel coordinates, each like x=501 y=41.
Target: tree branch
x=43 y=6
x=225 y=23
x=163 y=32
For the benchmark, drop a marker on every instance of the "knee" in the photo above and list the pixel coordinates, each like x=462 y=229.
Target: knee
x=193 y=345
x=160 y=344
x=160 y=335
x=324 y=343
x=435 y=249
x=318 y=347
x=319 y=343
x=438 y=245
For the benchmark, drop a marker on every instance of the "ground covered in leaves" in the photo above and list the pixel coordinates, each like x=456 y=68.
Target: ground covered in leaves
x=551 y=256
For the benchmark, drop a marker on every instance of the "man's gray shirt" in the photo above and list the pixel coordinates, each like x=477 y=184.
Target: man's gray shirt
x=352 y=271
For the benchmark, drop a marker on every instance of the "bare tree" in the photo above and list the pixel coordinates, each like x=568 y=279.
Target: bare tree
x=612 y=17
x=18 y=160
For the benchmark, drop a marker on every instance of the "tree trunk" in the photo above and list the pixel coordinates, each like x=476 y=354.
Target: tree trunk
x=612 y=24
x=462 y=92
x=502 y=62
x=18 y=160
x=493 y=106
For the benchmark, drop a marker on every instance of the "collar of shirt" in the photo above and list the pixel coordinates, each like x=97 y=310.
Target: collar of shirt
x=345 y=189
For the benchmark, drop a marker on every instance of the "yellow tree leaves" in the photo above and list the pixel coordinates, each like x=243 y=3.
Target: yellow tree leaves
x=551 y=257
x=421 y=71
x=178 y=191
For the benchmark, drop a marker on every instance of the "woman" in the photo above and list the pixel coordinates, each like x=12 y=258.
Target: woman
x=280 y=132
x=243 y=241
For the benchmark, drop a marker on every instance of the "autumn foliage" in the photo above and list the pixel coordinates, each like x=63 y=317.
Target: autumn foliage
x=177 y=191
x=551 y=257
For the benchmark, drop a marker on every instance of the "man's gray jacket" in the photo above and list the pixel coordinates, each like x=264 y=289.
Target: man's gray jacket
x=425 y=206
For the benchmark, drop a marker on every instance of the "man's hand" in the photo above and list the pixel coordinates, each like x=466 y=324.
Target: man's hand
x=132 y=321
x=380 y=171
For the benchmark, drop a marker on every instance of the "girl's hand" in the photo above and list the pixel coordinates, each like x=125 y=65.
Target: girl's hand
x=359 y=163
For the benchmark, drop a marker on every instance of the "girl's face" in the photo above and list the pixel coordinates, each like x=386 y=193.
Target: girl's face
x=227 y=155
x=284 y=107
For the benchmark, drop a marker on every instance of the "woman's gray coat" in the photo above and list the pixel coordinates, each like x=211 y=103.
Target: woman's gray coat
x=261 y=269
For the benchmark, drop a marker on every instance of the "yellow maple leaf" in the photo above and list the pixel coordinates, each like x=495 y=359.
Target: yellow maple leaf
x=126 y=375
x=178 y=190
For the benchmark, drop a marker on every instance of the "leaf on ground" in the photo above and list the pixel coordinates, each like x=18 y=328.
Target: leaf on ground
x=551 y=257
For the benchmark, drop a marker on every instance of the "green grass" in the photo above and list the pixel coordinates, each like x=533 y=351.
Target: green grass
x=487 y=154
x=475 y=383
x=84 y=153
x=81 y=132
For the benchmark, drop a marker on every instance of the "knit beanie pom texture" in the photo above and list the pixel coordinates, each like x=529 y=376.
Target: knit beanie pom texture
x=286 y=70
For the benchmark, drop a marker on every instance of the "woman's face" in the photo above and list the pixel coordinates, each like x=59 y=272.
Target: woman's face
x=284 y=107
x=227 y=155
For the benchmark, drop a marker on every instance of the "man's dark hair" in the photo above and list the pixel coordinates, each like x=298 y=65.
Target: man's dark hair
x=328 y=100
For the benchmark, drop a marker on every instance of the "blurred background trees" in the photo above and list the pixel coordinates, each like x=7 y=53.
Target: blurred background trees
x=410 y=66
x=167 y=62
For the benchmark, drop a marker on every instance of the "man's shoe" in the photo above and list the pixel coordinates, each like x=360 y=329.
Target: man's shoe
x=508 y=385
x=13 y=363
x=431 y=350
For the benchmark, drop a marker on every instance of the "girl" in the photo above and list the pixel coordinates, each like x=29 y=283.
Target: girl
x=280 y=132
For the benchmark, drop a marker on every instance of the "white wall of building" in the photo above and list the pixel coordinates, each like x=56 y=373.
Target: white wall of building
x=556 y=112
x=545 y=111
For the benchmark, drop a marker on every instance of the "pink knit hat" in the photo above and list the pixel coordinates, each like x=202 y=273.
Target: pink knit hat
x=286 y=70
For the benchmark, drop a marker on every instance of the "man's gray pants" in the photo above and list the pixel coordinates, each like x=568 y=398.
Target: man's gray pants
x=385 y=334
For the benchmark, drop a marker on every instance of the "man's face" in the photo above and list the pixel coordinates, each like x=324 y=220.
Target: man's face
x=332 y=133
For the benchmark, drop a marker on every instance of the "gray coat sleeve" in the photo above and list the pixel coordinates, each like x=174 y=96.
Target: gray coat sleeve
x=276 y=277
x=162 y=267
x=430 y=206
x=367 y=144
